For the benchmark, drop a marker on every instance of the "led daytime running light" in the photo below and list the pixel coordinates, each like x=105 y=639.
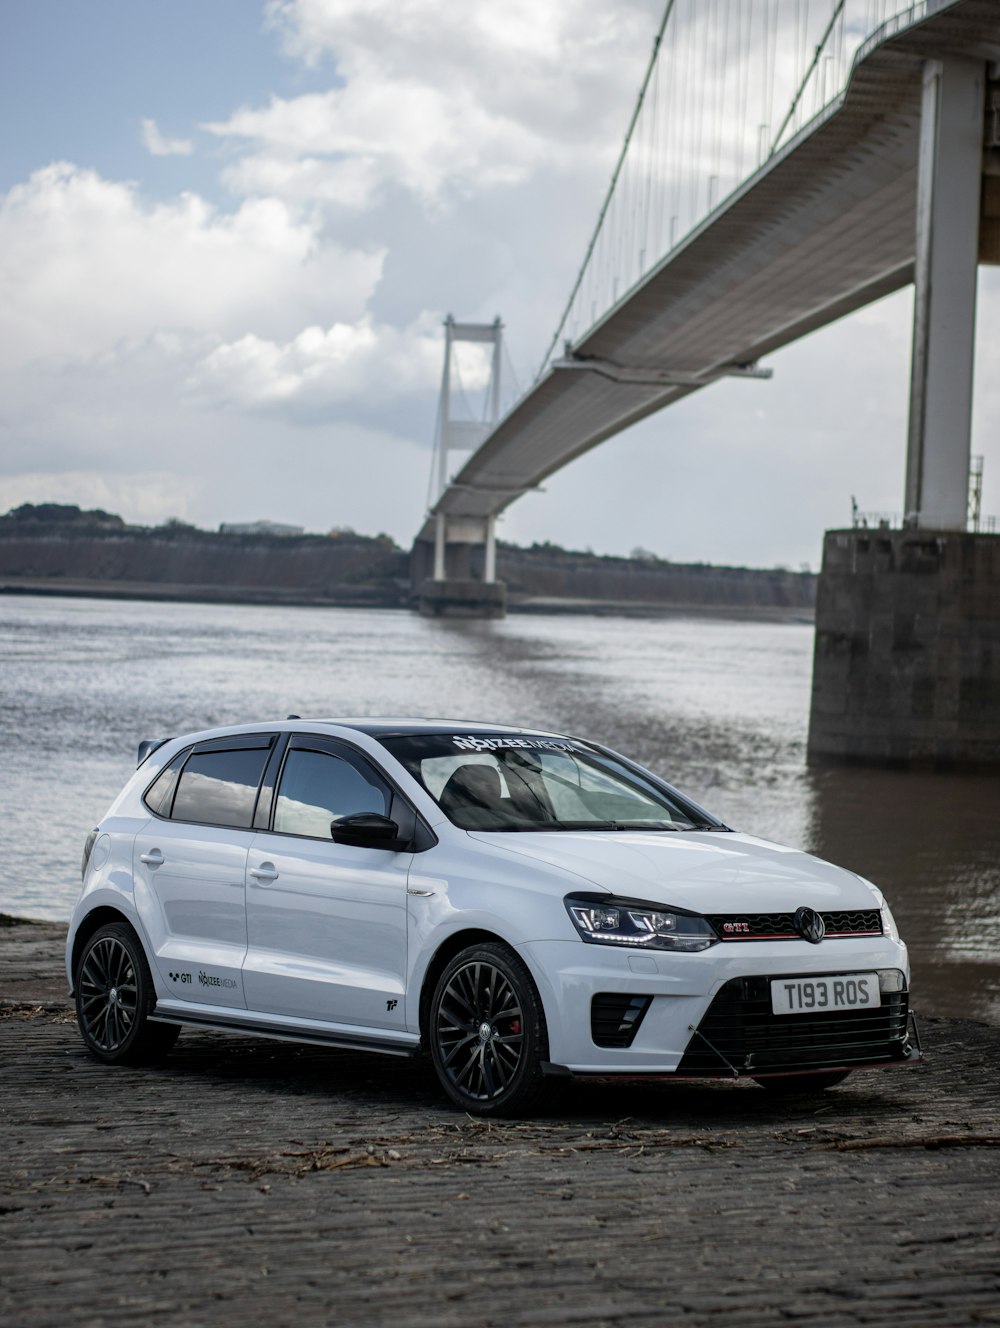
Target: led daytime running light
x=638 y=925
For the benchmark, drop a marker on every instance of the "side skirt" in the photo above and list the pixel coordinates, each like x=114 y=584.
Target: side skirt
x=286 y=1033
x=661 y=1076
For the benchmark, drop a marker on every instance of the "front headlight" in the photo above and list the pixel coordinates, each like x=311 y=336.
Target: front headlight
x=604 y=920
x=889 y=928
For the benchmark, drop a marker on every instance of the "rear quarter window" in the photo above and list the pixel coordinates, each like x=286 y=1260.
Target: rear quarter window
x=159 y=796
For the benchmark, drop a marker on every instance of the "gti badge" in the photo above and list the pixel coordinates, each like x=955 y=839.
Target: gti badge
x=810 y=925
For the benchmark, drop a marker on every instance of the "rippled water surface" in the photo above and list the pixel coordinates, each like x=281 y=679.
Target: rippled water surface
x=718 y=707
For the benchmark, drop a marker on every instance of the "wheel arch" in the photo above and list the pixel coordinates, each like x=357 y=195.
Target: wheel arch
x=93 y=922
x=442 y=957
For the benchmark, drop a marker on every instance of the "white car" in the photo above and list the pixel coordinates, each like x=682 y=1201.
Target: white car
x=521 y=905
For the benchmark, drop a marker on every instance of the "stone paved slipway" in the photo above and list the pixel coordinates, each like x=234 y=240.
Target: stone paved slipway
x=247 y=1182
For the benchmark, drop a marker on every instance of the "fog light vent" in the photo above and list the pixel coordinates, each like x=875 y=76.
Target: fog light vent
x=615 y=1018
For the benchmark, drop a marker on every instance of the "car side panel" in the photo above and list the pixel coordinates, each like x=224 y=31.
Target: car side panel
x=327 y=935
x=191 y=895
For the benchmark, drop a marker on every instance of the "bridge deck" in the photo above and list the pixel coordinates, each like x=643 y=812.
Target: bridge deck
x=825 y=228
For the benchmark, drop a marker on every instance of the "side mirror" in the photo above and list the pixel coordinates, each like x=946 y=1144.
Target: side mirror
x=365 y=830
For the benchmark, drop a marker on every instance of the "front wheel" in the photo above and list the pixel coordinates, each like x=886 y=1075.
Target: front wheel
x=114 y=995
x=803 y=1083
x=487 y=1033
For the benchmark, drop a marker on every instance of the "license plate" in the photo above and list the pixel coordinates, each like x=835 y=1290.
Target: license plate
x=853 y=991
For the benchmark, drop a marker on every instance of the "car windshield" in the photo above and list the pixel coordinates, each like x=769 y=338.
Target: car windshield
x=525 y=782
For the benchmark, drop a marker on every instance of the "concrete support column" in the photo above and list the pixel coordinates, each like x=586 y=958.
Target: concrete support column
x=907 y=663
x=944 y=316
x=440 y=538
x=490 y=555
x=464 y=582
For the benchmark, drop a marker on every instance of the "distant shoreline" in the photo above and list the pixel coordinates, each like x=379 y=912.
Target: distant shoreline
x=60 y=550
x=152 y=592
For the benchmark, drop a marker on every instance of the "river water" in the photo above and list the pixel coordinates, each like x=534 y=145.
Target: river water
x=718 y=707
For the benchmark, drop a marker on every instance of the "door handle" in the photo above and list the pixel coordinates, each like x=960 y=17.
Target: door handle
x=154 y=858
x=265 y=872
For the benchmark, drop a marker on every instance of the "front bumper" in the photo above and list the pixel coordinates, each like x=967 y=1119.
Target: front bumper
x=611 y=1012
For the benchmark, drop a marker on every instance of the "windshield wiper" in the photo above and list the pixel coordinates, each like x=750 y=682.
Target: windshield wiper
x=606 y=825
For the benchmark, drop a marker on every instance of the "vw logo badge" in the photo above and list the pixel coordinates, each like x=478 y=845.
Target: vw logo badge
x=810 y=925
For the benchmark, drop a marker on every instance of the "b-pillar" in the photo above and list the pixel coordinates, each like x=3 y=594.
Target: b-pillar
x=907 y=656
x=453 y=564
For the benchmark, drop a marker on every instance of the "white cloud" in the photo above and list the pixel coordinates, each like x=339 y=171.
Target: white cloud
x=161 y=359
x=159 y=146
x=360 y=362
x=86 y=265
x=443 y=109
x=342 y=145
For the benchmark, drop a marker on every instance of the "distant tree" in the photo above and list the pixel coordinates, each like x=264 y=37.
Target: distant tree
x=62 y=514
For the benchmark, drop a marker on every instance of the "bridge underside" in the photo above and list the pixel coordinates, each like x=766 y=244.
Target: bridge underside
x=826 y=228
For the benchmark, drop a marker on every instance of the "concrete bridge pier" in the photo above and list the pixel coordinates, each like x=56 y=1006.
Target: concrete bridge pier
x=907 y=655
x=455 y=577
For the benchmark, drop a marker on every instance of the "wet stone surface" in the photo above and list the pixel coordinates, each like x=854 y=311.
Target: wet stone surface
x=246 y=1181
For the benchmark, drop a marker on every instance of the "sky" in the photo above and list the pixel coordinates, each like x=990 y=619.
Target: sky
x=230 y=232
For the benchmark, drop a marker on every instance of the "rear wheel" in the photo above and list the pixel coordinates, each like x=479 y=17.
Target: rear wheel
x=803 y=1083
x=114 y=995
x=487 y=1033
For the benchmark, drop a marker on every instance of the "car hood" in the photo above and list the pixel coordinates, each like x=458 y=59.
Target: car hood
x=713 y=872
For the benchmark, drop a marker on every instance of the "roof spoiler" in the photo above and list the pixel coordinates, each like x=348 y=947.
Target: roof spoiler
x=147 y=747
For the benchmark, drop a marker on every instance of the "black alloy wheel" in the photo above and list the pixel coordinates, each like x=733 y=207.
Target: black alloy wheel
x=114 y=996
x=788 y=1084
x=487 y=1033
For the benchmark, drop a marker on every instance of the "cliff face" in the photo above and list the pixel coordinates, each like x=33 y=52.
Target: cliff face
x=180 y=562
x=556 y=573
x=199 y=564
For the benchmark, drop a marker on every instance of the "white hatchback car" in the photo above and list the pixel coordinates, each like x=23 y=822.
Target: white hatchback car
x=524 y=906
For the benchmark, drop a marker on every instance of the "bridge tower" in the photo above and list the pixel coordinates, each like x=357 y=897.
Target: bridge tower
x=456 y=575
x=907 y=655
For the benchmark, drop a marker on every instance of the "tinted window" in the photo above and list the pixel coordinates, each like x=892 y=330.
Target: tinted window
x=160 y=793
x=316 y=787
x=220 y=787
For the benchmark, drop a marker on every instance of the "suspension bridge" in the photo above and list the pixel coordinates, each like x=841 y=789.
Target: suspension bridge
x=786 y=164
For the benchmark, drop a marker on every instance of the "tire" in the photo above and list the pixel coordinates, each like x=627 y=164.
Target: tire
x=487 y=1033
x=114 y=996
x=787 y=1084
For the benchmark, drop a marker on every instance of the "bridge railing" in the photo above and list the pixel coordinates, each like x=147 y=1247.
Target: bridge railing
x=730 y=83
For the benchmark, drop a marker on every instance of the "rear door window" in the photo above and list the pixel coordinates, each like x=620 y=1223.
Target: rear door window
x=219 y=787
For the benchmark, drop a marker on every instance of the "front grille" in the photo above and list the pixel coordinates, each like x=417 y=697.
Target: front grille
x=781 y=926
x=740 y=1032
x=615 y=1018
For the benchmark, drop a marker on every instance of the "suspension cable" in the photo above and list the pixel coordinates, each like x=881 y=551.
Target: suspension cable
x=611 y=188
x=838 y=9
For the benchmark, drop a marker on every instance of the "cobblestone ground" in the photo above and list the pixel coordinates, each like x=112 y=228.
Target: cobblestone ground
x=257 y=1183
